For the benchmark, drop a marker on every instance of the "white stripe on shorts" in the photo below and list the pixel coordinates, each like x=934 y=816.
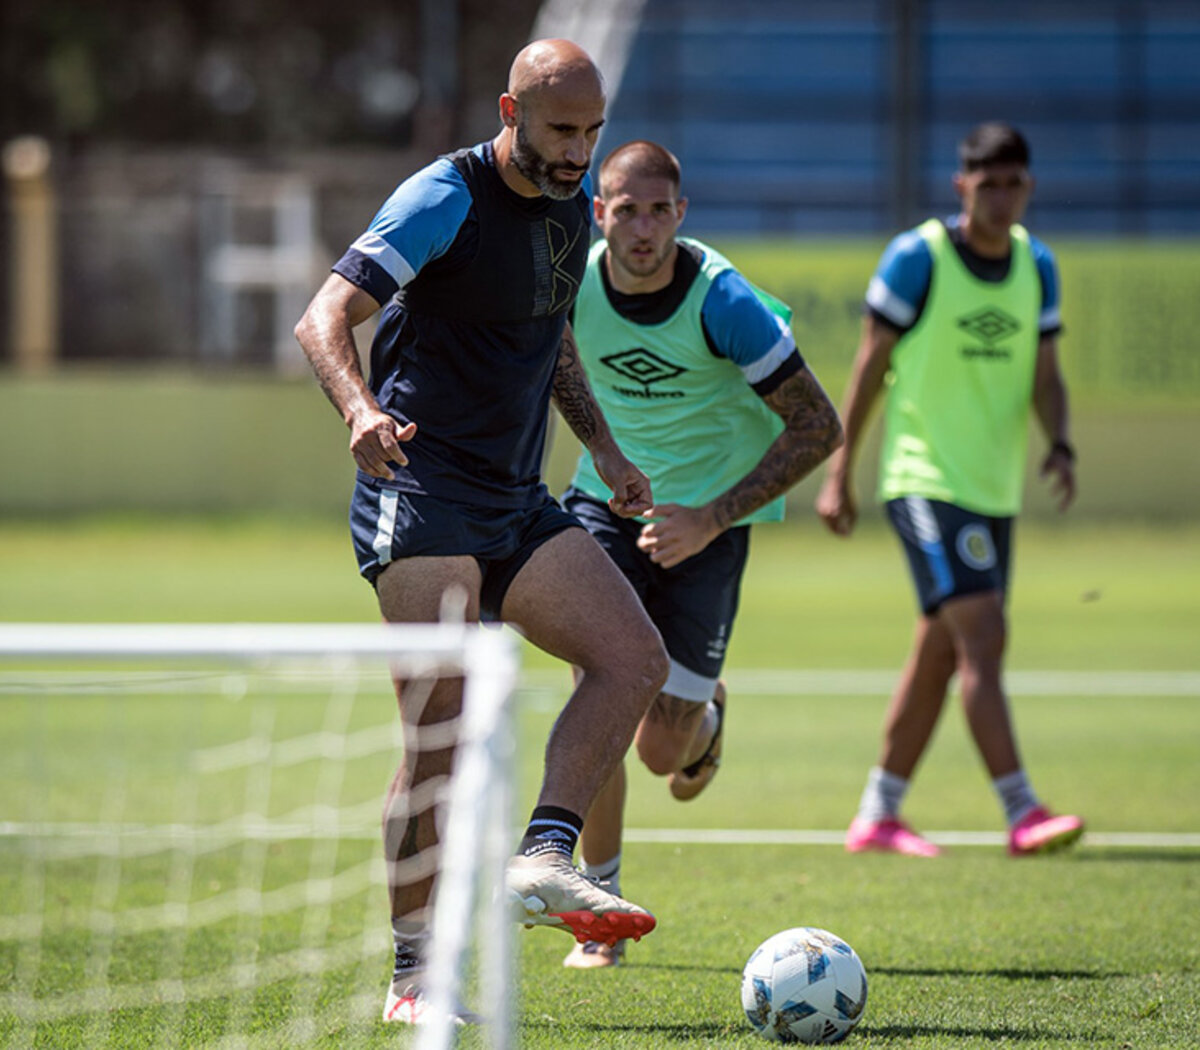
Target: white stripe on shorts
x=925 y=523
x=687 y=685
x=385 y=525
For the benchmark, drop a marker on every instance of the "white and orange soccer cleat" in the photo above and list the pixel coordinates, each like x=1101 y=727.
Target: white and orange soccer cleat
x=547 y=890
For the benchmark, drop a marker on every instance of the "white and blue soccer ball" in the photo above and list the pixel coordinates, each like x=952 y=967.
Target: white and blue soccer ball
x=804 y=986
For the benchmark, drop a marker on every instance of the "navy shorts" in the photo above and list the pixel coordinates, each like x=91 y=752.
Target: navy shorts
x=386 y=525
x=951 y=552
x=693 y=605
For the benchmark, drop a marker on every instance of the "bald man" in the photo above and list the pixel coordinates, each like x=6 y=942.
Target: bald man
x=476 y=260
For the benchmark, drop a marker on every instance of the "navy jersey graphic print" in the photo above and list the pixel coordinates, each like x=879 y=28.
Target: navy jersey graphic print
x=477 y=282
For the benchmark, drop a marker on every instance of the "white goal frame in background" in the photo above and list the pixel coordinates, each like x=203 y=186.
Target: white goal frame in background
x=477 y=838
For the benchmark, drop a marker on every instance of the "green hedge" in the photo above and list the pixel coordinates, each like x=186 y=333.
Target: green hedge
x=1130 y=309
x=80 y=441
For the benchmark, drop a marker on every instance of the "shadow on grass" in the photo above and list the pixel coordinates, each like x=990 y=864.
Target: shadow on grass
x=663 y=1030
x=1012 y=974
x=1139 y=856
x=886 y=1033
x=903 y=1033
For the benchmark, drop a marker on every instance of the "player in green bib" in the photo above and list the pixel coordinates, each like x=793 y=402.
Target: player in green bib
x=699 y=378
x=961 y=328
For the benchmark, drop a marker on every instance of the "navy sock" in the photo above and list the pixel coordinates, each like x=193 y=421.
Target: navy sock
x=410 y=940
x=551 y=830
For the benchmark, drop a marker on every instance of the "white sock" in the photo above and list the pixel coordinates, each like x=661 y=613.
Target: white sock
x=607 y=872
x=1016 y=795
x=882 y=796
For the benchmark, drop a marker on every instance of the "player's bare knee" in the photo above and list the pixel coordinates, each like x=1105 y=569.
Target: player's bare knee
x=632 y=673
x=644 y=666
x=980 y=666
x=981 y=653
x=655 y=667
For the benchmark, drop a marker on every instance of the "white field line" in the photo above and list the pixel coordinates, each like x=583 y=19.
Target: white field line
x=353 y=823
x=1018 y=683
x=765 y=837
x=148 y=838
x=795 y=682
x=750 y=682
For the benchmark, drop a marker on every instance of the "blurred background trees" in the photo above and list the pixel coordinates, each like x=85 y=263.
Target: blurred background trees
x=251 y=74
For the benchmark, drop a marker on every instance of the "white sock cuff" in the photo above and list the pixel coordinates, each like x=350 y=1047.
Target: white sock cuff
x=605 y=870
x=889 y=781
x=882 y=795
x=1016 y=795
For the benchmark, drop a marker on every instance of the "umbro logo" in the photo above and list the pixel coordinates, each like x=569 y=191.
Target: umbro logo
x=990 y=325
x=645 y=367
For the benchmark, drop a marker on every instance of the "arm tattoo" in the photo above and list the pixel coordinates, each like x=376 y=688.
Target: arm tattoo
x=572 y=393
x=811 y=432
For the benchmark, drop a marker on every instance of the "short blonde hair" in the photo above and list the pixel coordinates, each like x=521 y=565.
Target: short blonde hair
x=641 y=157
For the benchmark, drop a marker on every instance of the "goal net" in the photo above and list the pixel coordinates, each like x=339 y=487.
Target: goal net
x=190 y=832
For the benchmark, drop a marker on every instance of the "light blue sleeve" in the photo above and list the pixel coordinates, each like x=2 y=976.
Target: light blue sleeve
x=901 y=280
x=417 y=223
x=743 y=328
x=1050 y=319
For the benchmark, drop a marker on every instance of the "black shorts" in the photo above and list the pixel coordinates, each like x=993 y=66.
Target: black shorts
x=693 y=605
x=386 y=525
x=951 y=552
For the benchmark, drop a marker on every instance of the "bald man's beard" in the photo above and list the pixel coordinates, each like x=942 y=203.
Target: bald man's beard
x=540 y=171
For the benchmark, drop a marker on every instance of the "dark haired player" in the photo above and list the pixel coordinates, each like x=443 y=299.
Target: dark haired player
x=962 y=321
x=476 y=261
x=699 y=377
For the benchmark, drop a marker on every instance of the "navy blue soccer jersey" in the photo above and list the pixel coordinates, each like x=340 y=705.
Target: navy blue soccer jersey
x=476 y=283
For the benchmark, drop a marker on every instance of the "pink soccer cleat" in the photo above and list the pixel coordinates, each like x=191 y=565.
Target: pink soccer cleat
x=1039 y=831
x=890 y=835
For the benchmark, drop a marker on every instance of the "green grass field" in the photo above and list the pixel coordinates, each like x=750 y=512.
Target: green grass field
x=1097 y=948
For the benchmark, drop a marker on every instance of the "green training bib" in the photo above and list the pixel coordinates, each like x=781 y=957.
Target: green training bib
x=961 y=381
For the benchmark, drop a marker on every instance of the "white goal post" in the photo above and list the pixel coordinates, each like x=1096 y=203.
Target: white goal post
x=477 y=834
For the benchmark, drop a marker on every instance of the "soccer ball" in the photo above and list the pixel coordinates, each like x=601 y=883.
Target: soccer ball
x=804 y=986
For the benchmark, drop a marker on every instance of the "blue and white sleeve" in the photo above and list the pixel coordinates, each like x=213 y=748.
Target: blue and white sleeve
x=898 y=289
x=741 y=327
x=416 y=224
x=1050 y=318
